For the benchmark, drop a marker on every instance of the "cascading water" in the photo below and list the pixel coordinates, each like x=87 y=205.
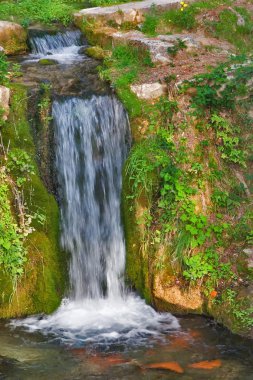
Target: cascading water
x=92 y=140
x=62 y=46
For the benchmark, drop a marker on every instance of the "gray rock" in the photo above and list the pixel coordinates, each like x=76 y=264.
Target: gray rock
x=149 y=91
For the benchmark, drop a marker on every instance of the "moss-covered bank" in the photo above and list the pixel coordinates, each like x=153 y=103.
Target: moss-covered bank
x=40 y=288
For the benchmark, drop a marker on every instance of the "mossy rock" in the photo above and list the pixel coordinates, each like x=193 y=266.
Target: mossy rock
x=47 y=62
x=137 y=257
x=43 y=284
x=12 y=37
x=96 y=52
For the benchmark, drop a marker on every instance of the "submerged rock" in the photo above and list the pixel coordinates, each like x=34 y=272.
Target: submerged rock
x=12 y=37
x=47 y=62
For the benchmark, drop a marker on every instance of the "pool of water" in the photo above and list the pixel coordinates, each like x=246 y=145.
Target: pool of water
x=32 y=355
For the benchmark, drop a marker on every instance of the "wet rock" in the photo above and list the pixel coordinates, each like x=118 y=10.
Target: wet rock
x=4 y=101
x=82 y=50
x=12 y=37
x=176 y=298
x=149 y=91
x=47 y=62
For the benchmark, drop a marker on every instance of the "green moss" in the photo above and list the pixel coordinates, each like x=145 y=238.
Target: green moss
x=47 y=62
x=96 y=52
x=137 y=260
x=43 y=284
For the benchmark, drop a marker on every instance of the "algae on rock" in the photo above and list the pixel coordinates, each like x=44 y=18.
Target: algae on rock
x=41 y=287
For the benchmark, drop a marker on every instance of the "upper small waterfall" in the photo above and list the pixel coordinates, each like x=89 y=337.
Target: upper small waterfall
x=91 y=145
x=42 y=43
x=63 y=47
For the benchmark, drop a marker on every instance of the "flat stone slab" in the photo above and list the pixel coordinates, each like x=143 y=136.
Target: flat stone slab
x=149 y=91
x=142 y=6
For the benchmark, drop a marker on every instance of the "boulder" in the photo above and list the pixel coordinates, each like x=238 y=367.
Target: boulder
x=12 y=37
x=96 y=52
x=149 y=91
x=4 y=102
x=190 y=300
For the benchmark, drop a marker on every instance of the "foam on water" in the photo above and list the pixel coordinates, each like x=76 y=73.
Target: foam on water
x=62 y=46
x=103 y=321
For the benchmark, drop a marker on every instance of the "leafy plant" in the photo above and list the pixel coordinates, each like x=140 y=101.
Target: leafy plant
x=179 y=45
x=221 y=87
x=238 y=308
x=151 y=22
x=13 y=253
x=230 y=143
x=3 y=68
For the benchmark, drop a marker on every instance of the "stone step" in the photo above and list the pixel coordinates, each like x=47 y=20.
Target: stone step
x=127 y=12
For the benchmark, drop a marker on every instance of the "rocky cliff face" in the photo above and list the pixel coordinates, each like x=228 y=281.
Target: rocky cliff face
x=187 y=184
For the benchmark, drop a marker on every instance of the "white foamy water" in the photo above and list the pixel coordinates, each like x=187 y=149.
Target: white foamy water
x=104 y=321
x=62 y=46
x=92 y=139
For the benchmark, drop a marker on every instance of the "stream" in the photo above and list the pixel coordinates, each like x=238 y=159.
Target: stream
x=102 y=330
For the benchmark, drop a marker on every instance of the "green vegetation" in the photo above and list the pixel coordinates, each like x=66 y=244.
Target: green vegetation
x=177 y=19
x=31 y=278
x=3 y=68
x=238 y=310
x=222 y=86
x=100 y=3
x=13 y=254
x=187 y=181
x=172 y=179
x=122 y=69
x=45 y=11
x=229 y=29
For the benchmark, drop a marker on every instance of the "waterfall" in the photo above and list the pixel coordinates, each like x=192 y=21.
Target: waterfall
x=63 y=47
x=42 y=43
x=91 y=146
